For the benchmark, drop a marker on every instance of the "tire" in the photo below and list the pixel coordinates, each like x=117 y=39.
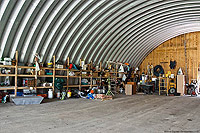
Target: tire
x=158 y=70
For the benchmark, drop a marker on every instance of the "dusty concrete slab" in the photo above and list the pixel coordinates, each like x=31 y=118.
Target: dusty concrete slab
x=138 y=113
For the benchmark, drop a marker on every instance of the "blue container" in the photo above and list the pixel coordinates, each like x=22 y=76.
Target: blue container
x=19 y=93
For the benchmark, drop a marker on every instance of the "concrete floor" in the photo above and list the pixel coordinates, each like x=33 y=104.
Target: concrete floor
x=135 y=114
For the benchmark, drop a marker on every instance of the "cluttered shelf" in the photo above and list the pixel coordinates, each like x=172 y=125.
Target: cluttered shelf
x=54 y=70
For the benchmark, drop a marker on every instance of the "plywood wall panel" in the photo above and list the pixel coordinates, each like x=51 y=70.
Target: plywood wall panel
x=173 y=49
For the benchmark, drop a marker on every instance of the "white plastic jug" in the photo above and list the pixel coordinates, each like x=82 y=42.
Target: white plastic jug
x=50 y=94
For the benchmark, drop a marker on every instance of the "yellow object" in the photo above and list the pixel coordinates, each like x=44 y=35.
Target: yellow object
x=69 y=94
x=169 y=73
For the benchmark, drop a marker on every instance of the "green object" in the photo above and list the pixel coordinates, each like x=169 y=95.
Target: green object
x=63 y=97
x=49 y=73
x=59 y=83
x=109 y=92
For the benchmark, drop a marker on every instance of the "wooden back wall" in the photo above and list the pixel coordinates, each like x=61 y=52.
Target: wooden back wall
x=173 y=49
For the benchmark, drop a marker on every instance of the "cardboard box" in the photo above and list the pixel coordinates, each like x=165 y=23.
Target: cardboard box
x=134 y=86
x=128 y=89
x=95 y=74
x=41 y=72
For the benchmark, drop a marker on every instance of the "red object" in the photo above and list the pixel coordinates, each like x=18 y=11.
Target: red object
x=92 y=91
x=42 y=95
x=70 y=66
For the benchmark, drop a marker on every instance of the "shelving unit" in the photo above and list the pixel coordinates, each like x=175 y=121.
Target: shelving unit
x=16 y=75
x=54 y=69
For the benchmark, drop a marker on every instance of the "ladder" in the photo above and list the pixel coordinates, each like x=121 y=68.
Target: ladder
x=164 y=85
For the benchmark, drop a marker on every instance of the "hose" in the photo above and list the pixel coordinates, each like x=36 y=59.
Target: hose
x=158 y=70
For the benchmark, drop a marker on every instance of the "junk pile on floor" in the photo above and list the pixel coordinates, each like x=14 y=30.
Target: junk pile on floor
x=93 y=93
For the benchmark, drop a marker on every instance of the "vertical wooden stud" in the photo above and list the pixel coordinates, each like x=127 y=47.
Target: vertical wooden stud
x=16 y=69
x=54 y=72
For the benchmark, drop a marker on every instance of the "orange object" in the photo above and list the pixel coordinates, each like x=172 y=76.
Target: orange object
x=42 y=95
x=92 y=91
x=126 y=64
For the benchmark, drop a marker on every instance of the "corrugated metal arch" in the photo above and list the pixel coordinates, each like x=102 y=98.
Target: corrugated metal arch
x=117 y=30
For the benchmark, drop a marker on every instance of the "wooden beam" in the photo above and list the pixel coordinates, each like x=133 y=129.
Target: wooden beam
x=16 y=69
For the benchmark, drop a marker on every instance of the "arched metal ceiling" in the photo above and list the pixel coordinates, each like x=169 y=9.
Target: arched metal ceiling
x=97 y=30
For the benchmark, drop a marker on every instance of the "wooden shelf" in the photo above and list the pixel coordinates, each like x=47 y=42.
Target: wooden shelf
x=23 y=75
x=7 y=88
x=86 y=77
x=74 y=76
x=23 y=87
x=73 y=86
x=96 y=77
x=48 y=68
x=94 y=85
x=61 y=69
x=85 y=70
x=60 y=76
x=74 y=70
x=122 y=72
x=10 y=66
x=26 y=67
x=40 y=87
x=104 y=77
x=44 y=75
x=4 y=75
x=113 y=72
x=85 y=85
